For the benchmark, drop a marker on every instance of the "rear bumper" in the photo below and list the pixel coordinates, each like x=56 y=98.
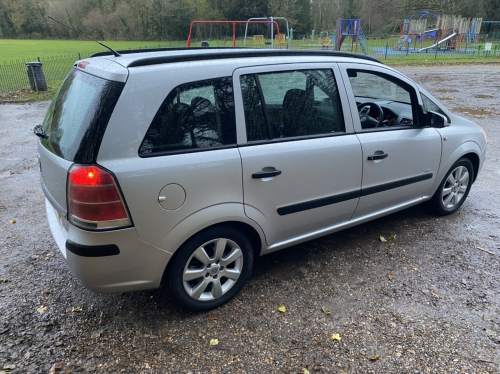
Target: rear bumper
x=111 y=261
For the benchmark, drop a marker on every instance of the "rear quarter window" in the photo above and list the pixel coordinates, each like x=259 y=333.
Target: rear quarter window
x=194 y=116
x=78 y=115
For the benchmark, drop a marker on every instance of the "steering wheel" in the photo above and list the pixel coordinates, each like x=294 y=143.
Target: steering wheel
x=366 y=120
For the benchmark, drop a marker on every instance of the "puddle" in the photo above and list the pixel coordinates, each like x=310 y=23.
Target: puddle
x=481 y=96
x=473 y=112
x=446 y=90
x=447 y=98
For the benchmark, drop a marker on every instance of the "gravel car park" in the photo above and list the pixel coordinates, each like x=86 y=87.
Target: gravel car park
x=405 y=293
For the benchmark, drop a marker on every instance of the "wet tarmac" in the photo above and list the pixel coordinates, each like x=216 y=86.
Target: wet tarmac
x=425 y=301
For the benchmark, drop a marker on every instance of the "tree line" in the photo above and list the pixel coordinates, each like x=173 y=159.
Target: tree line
x=170 y=19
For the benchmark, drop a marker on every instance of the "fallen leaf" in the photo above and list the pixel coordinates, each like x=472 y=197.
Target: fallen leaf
x=282 y=309
x=390 y=245
x=393 y=236
x=95 y=335
x=390 y=276
x=415 y=269
x=336 y=337
x=77 y=309
x=56 y=368
x=326 y=310
x=41 y=309
x=12 y=221
x=435 y=295
x=214 y=341
x=305 y=371
x=382 y=239
x=374 y=358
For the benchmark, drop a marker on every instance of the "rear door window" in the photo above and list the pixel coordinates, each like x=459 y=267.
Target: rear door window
x=78 y=116
x=290 y=104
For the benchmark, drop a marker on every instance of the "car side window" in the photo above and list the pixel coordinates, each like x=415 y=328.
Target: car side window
x=430 y=106
x=195 y=115
x=382 y=100
x=290 y=104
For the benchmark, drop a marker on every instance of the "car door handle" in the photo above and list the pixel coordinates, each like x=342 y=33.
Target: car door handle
x=266 y=174
x=378 y=157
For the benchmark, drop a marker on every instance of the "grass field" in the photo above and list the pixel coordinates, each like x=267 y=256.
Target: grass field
x=14 y=49
x=58 y=56
x=31 y=49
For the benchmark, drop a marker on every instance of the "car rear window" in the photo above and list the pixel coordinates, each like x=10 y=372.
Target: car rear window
x=78 y=116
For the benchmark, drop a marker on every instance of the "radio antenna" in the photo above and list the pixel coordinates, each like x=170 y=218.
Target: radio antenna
x=116 y=54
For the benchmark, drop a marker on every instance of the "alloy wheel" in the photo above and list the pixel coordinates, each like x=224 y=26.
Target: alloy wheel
x=455 y=187
x=213 y=269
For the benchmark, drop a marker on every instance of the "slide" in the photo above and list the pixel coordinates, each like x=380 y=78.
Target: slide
x=438 y=43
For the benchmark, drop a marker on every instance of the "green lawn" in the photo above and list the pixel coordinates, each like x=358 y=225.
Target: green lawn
x=13 y=49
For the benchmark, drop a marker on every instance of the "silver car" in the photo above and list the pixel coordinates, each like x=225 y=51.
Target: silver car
x=179 y=167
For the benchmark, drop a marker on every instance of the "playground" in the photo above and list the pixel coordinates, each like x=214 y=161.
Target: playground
x=424 y=33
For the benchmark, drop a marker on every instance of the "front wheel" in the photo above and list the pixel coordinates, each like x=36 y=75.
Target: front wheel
x=454 y=188
x=211 y=268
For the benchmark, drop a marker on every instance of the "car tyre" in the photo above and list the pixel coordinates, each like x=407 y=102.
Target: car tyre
x=211 y=268
x=454 y=188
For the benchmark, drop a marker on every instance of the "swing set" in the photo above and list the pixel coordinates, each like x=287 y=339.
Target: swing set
x=234 y=28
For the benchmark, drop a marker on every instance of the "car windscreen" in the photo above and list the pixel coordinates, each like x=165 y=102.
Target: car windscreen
x=78 y=116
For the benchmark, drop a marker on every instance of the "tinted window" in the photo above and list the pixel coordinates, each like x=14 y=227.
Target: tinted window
x=193 y=116
x=290 y=104
x=78 y=116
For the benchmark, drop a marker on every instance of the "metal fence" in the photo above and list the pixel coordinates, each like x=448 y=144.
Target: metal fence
x=14 y=74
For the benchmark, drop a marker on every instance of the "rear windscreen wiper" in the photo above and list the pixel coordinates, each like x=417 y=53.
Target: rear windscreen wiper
x=40 y=132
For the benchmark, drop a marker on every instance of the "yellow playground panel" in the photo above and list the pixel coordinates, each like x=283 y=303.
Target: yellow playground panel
x=258 y=39
x=277 y=37
x=325 y=42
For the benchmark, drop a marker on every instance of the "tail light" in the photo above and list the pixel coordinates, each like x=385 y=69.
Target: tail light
x=94 y=200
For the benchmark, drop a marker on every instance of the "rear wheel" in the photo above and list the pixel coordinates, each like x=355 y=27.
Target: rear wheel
x=454 y=188
x=211 y=268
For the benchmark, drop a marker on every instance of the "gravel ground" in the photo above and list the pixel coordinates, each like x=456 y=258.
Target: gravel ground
x=425 y=301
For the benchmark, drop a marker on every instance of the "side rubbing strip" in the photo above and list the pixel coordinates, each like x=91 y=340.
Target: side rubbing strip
x=318 y=203
x=396 y=184
x=312 y=204
x=92 y=251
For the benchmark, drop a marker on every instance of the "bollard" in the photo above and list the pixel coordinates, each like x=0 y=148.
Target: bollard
x=36 y=76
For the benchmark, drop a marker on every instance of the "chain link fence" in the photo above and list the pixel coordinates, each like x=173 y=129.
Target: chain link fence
x=14 y=74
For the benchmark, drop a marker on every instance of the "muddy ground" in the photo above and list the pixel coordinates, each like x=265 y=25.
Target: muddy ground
x=425 y=301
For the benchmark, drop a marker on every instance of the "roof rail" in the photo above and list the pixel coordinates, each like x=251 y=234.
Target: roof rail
x=227 y=53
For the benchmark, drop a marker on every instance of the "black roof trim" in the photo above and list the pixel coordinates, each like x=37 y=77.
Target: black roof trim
x=130 y=51
x=226 y=53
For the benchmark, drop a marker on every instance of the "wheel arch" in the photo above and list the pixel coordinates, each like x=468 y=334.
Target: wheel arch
x=251 y=232
x=469 y=150
x=474 y=159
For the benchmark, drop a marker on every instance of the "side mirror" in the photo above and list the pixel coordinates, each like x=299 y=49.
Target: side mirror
x=433 y=119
